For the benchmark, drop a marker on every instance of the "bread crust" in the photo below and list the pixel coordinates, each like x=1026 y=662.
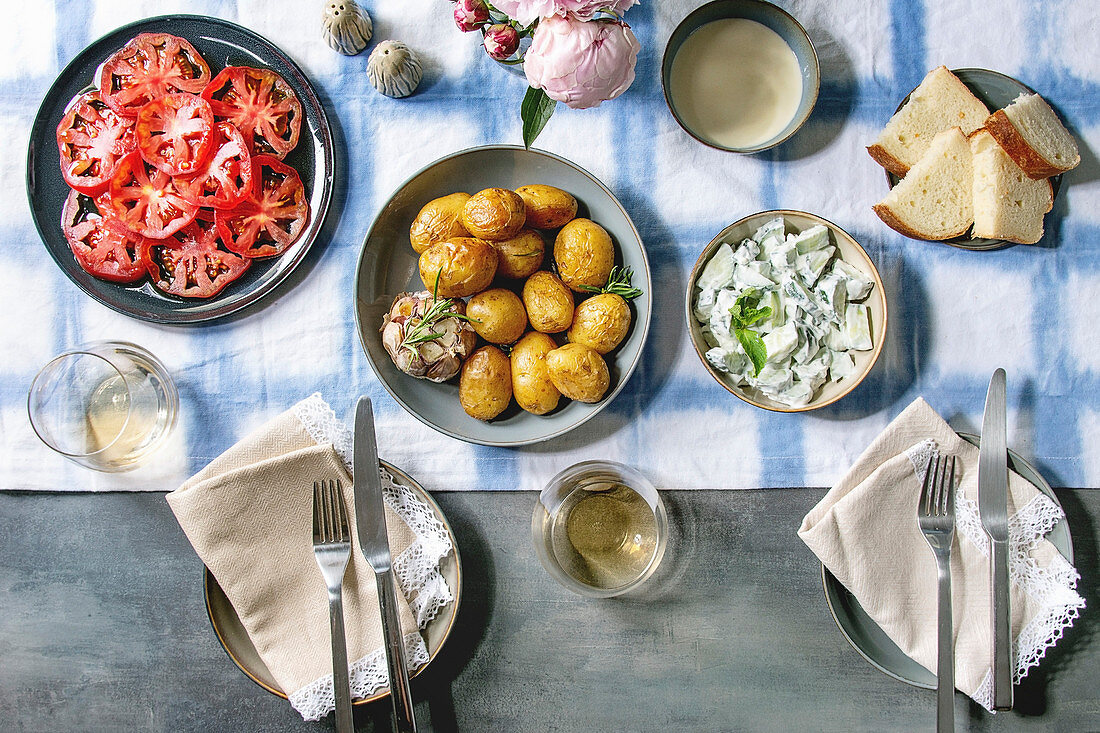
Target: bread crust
x=887 y=161
x=887 y=215
x=1012 y=142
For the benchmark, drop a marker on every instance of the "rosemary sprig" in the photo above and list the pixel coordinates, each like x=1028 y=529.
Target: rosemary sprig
x=618 y=282
x=424 y=331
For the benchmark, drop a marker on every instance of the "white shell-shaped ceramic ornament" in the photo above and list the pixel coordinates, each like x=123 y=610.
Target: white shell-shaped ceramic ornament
x=346 y=27
x=394 y=69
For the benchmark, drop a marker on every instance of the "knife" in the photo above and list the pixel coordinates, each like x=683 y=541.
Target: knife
x=370 y=525
x=993 y=507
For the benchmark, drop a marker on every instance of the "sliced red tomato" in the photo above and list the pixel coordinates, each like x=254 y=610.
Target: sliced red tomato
x=91 y=139
x=226 y=178
x=190 y=263
x=262 y=106
x=147 y=200
x=101 y=245
x=148 y=67
x=176 y=133
x=272 y=217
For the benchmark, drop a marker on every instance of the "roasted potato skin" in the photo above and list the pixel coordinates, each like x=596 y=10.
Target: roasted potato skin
x=584 y=253
x=465 y=266
x=494 y=214
x=548 y=302
x=547 y=207
x=497 y=315
x=531 y=385
x=485 y=387
x=440 y=219
x=520 y=256
x=600 y=322
x=578 y=372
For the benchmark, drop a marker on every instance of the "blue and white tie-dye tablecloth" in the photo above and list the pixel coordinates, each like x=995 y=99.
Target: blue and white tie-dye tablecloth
x=955 y=315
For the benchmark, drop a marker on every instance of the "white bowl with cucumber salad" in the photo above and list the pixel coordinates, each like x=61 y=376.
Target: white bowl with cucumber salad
x=786 y=310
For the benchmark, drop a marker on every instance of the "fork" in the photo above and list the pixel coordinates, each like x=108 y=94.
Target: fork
x=332 y=546
x=936 y=517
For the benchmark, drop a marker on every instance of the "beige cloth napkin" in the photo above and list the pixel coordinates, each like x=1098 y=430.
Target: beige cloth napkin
x=865 y=532
x=249 y=517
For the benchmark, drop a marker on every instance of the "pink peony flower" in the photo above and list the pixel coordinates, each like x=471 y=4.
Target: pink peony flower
x=501 y=41
x=528 y=11
x=470 y=15
x=581 y=63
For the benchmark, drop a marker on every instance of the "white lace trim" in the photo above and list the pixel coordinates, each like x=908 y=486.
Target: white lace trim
x=1052 y=587
x=367 y=676
x=417 y=568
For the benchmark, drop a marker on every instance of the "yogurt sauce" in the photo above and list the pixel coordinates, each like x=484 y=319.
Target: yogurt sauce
x=735 y=83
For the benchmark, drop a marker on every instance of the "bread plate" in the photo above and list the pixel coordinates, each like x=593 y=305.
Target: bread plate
x=995 y=90
x=848 y=250
x=388 y=266
x=872 y=643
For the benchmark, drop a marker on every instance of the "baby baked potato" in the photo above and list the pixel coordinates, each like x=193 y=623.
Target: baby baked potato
x=494 y=214
x=547 y=207
x=497 y=315
x=520 y=256
x=578 y=372
x=600 y=322
x=548 y=302
x=440 y=219
x=531 y=385
x=485 y=387
x=463 y=266
x=584 y=253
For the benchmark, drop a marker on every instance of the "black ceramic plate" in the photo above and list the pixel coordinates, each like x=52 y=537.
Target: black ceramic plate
x=222 y=44
x=996 y=90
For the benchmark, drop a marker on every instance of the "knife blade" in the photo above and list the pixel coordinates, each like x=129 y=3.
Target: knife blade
x=993 y=508
x=374 y=543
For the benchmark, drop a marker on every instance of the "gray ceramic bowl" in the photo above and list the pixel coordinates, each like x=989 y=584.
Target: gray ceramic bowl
x=849 y=251
x=388 y=266
x=771 y=16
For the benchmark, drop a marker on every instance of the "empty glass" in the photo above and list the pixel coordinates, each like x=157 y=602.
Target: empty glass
x=106 y=405
x=600 y=528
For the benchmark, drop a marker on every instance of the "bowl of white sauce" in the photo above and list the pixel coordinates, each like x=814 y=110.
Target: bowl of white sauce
x=740 y=75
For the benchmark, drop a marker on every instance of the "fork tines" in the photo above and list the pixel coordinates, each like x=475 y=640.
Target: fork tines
x=937 y=491
x=330 y=520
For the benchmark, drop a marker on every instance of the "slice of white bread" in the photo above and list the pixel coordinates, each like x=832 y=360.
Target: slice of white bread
x=1034 y=137
x=934 y=201
x=940 y=102
x=1007 y=204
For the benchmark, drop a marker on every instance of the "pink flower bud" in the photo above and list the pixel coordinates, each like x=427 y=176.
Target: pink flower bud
x=501 y=41
x=470 y=15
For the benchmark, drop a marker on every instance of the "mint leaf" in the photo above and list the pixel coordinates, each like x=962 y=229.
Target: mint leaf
x=743 y=314
x=535 y=111
x=754 y=347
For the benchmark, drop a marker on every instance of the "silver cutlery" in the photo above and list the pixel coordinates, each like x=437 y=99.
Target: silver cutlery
x=332 y=546
x=993 y=508
x=370 y=523
x=936 y=517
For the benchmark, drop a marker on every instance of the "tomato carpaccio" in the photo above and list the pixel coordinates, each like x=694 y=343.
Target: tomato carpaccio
x=178 y=176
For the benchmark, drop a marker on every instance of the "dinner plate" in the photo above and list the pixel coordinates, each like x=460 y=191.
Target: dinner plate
x=234 y=639
x=996 y=91
x=388 y=266
x=872 y=643
x=222 y=44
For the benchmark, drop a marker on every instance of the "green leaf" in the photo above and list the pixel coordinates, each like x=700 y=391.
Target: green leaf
x=535 y=111
x=750 y=316
x=618 y=282
x=754 y=347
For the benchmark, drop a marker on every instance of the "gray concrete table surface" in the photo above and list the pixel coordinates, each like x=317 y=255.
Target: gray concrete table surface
x=103 y=627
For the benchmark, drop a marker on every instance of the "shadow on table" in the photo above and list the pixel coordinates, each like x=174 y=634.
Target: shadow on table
x=1030 y=697
x=475 y=606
